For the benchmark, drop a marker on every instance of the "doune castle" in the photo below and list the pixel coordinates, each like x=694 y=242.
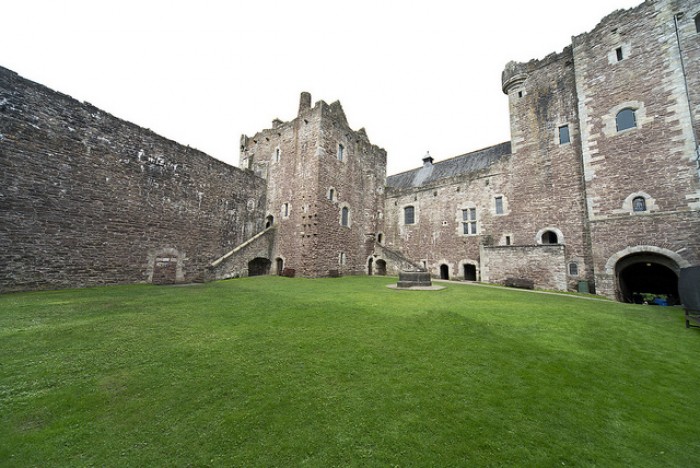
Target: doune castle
x=598 y=188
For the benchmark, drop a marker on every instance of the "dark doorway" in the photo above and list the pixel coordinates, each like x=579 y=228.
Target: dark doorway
x=259 y=266
x=647 y=278
x=381 y=267
x=550 y=237
x=269 y=221
x=444 y=272
x=369 y=266
x=470 y=272
x=279 y=263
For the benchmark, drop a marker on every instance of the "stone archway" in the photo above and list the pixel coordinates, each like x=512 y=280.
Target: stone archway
x=279 y=265
x=646 y=275
x=381 y=267
x=444 y=272
x=259 y=266
x=608 y=281
x=469 y=272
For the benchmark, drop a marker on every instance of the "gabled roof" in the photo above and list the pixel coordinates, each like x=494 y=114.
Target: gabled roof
x=459 y=165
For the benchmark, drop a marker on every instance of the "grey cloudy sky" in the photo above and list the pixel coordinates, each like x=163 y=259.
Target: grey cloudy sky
x=418 y=75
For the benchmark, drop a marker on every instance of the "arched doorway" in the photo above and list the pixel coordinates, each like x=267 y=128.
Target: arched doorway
x=381 y=267
x=550 y=237
x=369 y=266
x=165 y=269
x=269 y=221
x=444 y=272
x=647 y=278
x=259 y=266
x=279 y=264
x=469 y=272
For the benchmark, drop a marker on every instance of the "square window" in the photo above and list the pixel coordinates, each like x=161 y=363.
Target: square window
x=564 y=136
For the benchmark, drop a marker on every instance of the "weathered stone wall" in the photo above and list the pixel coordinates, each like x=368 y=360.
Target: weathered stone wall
x=236 y=263
x=632 y=60
x=88 y=199
x=545 y=265
x=437 y=235
x=309 y=185
x=546 y=171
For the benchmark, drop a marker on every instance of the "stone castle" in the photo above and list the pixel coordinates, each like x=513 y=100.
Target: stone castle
x=597 y=190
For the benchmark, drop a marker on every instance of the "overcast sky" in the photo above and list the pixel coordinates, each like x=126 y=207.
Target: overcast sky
x=417 y=75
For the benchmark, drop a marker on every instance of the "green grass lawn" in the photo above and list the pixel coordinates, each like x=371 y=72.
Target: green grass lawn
x=275 y=371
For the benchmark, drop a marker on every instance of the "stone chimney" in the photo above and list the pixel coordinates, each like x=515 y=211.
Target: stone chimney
x=304 y=102
x=427 y=159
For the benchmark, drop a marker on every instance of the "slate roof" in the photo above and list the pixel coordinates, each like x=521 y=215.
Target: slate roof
x=459 y=165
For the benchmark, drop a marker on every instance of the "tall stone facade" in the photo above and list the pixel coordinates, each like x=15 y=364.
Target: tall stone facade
x=603 y=165
x=325 y=189
x=598 y=188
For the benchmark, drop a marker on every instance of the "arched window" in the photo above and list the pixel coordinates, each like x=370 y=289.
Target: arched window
x=331 y=194
x=625 y=119
x=409 y=215
x=639 y=204
x=550 y=237
x=344 y=216
x=573 y=269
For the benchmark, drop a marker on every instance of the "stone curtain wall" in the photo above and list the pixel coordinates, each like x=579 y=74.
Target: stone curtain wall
x=545 y=265
x=88 y=199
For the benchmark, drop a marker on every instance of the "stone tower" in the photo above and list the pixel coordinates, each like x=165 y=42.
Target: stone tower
x=325 y=190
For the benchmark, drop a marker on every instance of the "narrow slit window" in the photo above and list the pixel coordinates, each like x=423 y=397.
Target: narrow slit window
x=564 y=136
x=697 y=23
x=345 y=216
x=341 y=152
x=618 y=54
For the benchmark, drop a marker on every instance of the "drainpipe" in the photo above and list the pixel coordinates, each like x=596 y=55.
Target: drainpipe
x=676 y=17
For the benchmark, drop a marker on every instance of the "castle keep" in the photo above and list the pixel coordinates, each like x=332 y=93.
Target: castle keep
x=598 y=188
